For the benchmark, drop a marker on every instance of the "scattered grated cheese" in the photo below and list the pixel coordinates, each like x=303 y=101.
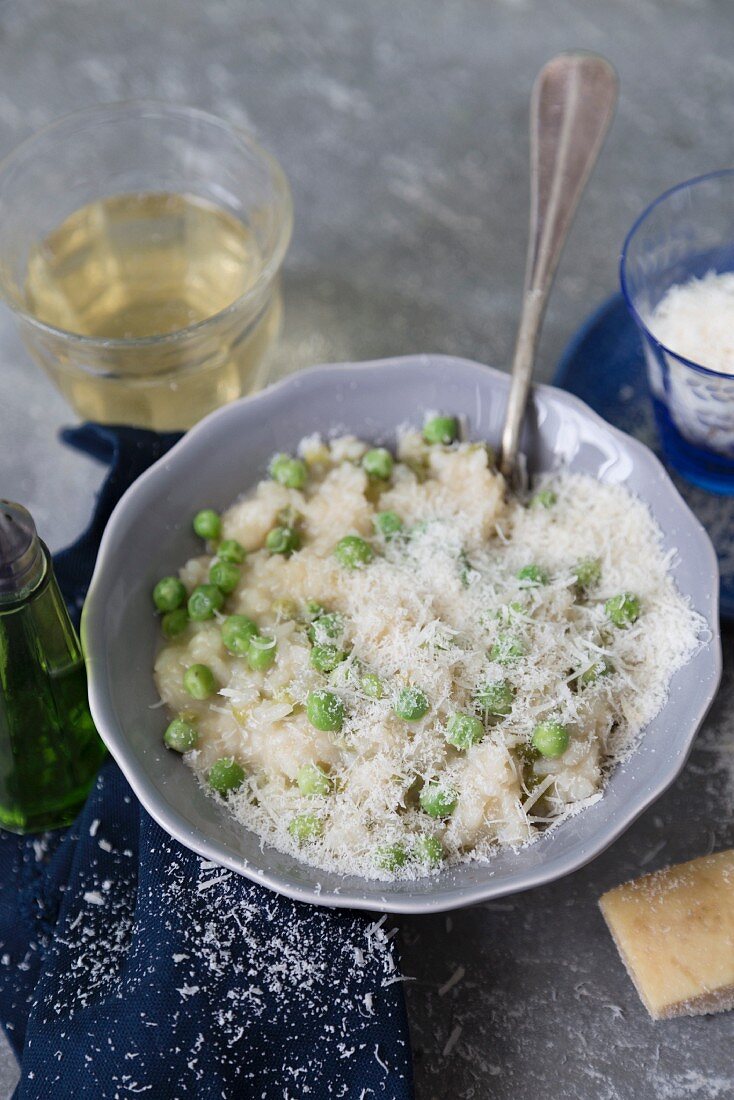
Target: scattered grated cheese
x=213 y=881
x=379 y=1060
x=187 y=991
x=455 y=978
x=40 y=849
x=452 y=1040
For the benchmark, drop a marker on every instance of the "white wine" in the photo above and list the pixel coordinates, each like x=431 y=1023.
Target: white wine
x=134 y=272
x=140 y=265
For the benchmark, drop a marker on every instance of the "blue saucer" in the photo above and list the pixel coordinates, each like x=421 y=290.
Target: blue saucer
x=604 y=365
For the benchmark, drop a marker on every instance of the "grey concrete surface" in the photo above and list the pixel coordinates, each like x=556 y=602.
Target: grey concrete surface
x=403 y=130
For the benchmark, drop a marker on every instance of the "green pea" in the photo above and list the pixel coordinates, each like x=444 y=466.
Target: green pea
x=305 y=828
x=313 y=609
x=533 y=574
x=225 y=775
x=282 y=540
x=207 y=524
x=441 y=429
x=325 y=711
x=410 y=704
x=428 y=849
x=231 y=550
x=387 y=524
x=496 y=698
x=391 y=857
x=288 y=471
x=506 y=649
x=438 y=801
x=372 y=685
x=199 y=681
x=587 y=573
x=261 y=652
x=602 y=667
x=181 y=736
x=378 y=463
x=313 y=781
x=623 y=610
x=464 y=730
x=236 y=633
x=550 y=738
x=169 y=594
x=325 y=658
x=225 y=575
x=204 y=601
x=353 y=552
x=174 y=622
x=546 y=498
x=326 y=627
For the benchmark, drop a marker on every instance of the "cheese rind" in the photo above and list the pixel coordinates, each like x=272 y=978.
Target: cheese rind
x=675 y=932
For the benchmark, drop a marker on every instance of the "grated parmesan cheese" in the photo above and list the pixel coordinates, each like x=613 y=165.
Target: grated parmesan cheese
x=696 y=320
x=427 y=613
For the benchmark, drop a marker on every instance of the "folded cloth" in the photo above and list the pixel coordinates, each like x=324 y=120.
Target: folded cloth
x=130 y=966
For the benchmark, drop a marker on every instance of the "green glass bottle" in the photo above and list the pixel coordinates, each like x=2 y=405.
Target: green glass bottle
x=49 y=749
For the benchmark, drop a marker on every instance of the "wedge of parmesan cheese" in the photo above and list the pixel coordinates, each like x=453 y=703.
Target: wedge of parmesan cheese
x=675 y=932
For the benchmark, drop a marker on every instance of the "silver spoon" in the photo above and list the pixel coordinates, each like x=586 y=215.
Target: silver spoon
x=572 y=104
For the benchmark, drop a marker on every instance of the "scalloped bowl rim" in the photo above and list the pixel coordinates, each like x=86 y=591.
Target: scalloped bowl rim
x=210 y=847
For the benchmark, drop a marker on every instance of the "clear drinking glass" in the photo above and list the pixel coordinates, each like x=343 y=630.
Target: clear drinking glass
x=687 y=232
x=215 y=186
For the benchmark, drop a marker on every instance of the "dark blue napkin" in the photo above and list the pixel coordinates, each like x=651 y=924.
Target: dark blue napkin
x=130 y=966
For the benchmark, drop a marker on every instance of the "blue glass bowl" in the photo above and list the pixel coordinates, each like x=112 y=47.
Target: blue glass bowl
x=687 y=232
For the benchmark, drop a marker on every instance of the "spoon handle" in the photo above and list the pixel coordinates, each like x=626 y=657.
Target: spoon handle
x=572 y=104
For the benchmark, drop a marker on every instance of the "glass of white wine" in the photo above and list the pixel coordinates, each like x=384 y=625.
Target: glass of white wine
x=140 y=249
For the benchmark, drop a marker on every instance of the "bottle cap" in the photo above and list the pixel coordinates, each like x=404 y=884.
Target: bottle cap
x=21 y=555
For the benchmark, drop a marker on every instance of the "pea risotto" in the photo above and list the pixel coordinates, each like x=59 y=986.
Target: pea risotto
x=385 y=665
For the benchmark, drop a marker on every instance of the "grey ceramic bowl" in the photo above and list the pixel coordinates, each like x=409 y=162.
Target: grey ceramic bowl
x=150 y=535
